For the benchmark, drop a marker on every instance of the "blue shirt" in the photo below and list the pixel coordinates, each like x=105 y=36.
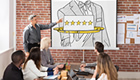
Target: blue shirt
x=32 y=35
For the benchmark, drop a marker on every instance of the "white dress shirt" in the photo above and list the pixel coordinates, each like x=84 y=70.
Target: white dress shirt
x=31 y=71
x=102 y=77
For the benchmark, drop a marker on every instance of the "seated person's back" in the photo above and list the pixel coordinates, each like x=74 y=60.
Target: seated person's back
x=13 y=70
x=46 y=57
x=105 y=68
x=32 y=68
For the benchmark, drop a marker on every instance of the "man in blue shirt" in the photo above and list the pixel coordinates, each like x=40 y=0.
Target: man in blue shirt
x=32 y=35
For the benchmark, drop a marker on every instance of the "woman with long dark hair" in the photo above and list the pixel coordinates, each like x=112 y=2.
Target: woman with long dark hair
x=32 y=68
x=105 y=68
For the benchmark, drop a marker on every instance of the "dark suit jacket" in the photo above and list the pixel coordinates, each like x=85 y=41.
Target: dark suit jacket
x=12 y=73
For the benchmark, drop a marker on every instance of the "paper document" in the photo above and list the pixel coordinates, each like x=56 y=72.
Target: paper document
x=120 y=38
x=121 y=18
x=131 y=26
x=137 y=40
x=137 y=19
x=51 y=77
x=130 y=18
x=121 y=28
x=131 y=34
x=127 y=41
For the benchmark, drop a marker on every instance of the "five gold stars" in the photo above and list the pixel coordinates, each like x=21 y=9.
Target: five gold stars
x=78 y=23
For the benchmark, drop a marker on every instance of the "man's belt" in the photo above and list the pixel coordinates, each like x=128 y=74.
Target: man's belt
x=34 y=43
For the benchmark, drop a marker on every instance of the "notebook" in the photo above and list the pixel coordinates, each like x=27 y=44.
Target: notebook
x=52 y=77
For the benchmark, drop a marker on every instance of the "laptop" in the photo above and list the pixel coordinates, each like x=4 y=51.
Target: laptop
x=74 y=77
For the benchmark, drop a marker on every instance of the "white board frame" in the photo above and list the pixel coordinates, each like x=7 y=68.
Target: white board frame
x=110 y=11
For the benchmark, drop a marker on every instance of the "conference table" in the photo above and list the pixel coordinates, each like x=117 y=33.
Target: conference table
x=73 y=66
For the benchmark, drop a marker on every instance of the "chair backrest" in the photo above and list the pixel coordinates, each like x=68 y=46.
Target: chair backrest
x=117 y=68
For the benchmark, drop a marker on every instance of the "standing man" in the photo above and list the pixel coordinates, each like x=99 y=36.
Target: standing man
x=31 y=33
x=13 y=70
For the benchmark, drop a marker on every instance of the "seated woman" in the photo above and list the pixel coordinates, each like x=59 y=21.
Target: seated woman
x=32 y=68
x=46 y=57
x=105 y=68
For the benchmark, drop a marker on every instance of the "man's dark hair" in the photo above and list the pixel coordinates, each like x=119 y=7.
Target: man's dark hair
x=31 y=17
x=17 y=56
x=99 y=46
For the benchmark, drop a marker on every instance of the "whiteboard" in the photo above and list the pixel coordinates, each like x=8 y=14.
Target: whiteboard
x=69 y=35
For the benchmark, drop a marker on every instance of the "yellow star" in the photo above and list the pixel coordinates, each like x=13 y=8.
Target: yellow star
x=72 y=23
x=78 y=23
x=89 y=23
x=66 y=23
x=84 y=23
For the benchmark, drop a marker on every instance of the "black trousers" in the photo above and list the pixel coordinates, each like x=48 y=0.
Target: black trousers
x=30 y=45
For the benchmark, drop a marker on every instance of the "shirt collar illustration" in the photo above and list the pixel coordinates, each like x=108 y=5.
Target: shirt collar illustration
x=81 y=8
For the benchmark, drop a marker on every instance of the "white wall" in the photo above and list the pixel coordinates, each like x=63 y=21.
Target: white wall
x=4 y=25
x=8 y=24
x=12 y=24
x=5 y=59
x=7 y=32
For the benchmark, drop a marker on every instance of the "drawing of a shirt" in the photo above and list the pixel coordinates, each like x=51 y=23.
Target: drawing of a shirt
x=83 y=9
